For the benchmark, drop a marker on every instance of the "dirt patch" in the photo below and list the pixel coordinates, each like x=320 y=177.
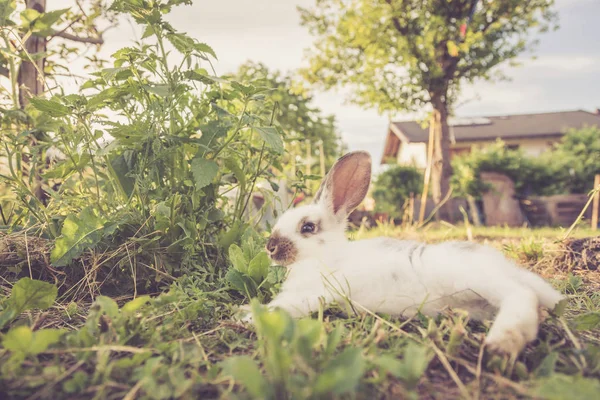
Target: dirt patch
x=581 y=254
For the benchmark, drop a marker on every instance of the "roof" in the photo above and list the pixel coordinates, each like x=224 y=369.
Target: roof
x=504 y=127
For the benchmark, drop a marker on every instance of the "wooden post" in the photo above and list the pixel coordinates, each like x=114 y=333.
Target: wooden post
x=427 y=171
x=474 y=210
x=307 y=162
x=596 y=202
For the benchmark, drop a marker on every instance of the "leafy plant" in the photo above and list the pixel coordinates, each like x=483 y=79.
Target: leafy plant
x=531 y=175
x=578 y=154
x=27 y=294
x=393 y=187
x=251 y=268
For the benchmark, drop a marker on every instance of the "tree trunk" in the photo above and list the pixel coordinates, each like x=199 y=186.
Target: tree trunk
x=30 y=81
x=441 y=169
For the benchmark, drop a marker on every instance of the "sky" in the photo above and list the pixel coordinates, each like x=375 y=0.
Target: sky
x=564 y=76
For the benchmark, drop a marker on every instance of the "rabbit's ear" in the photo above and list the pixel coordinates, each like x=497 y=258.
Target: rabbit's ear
x=346 y=185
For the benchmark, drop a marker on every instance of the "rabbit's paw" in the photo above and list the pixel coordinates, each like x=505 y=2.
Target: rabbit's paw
x=510 y=338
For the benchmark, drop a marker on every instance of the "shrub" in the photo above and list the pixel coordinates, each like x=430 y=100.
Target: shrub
x=531 y=175
x=578 y=155
x=393 y=187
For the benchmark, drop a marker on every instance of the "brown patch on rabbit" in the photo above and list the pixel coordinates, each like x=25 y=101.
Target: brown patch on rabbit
x=281 y=249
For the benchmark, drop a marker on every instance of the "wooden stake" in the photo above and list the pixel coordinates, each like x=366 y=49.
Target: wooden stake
x=427 y=171
x=596 y=202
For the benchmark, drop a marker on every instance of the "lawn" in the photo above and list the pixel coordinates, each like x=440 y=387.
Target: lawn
x=186 y=342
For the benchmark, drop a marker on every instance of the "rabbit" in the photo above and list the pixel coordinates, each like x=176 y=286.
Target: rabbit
x=398 y=277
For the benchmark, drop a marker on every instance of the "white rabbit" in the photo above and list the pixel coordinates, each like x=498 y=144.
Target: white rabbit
x=398 y=277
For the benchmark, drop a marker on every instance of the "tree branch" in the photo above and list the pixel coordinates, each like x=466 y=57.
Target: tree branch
x=90 y=40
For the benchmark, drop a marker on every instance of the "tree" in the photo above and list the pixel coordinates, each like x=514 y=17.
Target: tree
x=404 y=55
x=36 y=47
x=306 y=126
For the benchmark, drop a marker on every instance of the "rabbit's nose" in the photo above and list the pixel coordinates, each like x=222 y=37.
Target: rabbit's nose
x=272 y=246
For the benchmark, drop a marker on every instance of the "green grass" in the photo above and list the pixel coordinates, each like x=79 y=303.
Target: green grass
x=186 y=343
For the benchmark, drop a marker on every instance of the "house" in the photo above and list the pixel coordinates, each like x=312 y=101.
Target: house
x=406 y=141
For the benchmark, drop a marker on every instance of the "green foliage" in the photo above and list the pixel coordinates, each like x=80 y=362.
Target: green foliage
x=149 y=147
x=22 y=341
x=27 y=294
x=560 y=386
x=411 y=367
x=393 y=187
x=531 y=175
x=79 y=233
x=578 y=153
x=251 y=268
x=295 y=114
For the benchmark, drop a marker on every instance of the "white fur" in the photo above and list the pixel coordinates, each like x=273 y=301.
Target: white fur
x=403 y=277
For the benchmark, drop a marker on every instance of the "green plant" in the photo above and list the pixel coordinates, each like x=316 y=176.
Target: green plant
x=531 y=175
x=251 y=273
x=578 y=155
x=150 y=145
x=393 y=187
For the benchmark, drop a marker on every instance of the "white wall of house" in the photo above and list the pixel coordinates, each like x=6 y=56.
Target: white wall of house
x=413 y=154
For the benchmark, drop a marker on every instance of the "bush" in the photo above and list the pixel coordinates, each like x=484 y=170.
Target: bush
x=578 y=155
x=531 y=175
x=393 y=187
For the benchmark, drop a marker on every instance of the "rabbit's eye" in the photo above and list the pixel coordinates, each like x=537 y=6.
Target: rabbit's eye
x=307 y=227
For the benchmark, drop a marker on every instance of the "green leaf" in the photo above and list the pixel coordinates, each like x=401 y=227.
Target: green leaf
x=44 y=338
x=245 y=371
x=273 y=325
x=204 y=171
x=77 y=234
x=588 y=321
x=276 y=274
x=334 y=339
x=183 y=43
x=123 y=165
x=67 y=167
x=546 y=367
x=343 y=373
x=135 y=304
x=211 y=132
x=411 y=367
x=204 y=48
x=272 y=137
x=236 y=256
x=28 y=16
x=51 y=107
x=107 y=305
x=162 y=90
x=28 y=294
x=18 y=339
x=232 y=164
x=232 y=235
x=242 y=282
x=309 y=334
x=22 y=340
x=560 y=387
x=259 y=267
